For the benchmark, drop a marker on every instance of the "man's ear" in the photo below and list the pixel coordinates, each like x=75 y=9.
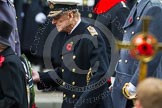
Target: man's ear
x=138 y=104
x=70 y=14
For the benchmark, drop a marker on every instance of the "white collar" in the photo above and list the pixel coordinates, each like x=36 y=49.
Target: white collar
x=75 y=25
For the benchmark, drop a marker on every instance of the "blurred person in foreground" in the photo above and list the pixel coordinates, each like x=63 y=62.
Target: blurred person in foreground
x=13 y=92
x=149 y=94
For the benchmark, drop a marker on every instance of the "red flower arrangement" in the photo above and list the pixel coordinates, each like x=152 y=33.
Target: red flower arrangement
x=2 y=59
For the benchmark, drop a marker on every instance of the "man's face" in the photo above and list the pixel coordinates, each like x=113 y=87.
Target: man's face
x=62 y=22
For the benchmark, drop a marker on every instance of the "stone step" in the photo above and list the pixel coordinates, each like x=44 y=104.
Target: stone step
x=51 y=99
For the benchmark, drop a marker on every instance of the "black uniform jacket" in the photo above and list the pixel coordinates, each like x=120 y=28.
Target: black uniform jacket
x=83 y=61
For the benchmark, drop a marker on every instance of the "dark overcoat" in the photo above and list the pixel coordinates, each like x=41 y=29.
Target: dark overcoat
x=13 y=92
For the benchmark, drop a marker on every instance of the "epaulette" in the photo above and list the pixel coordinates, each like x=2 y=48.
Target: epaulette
x=92 y=30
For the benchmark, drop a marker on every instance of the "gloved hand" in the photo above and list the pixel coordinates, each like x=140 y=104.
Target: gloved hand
x=40 y=18
x=129 y=91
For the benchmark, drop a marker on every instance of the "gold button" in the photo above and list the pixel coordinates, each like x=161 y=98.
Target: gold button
x=126 y=61
x=73 y=96
x=62 y=57
x=16 y=29
x=74 y=57
x=16 y=17
x=64 y=95
x=132 y=32
x=72 y=42
x=138 y=18
x=62 y=70
x=73 y=70
x=73 y=83
x=120 y=61
x=63 y=83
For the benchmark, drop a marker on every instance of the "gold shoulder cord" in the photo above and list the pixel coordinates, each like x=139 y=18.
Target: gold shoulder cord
x=89 y=75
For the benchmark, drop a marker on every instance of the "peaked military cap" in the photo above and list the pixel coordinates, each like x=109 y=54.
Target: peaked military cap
x=59 y=6
x=5 y=31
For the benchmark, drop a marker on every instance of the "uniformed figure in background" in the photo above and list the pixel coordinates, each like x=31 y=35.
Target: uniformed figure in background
x=19 y=12
x=112 y=14
x=86 y=8
x=12 y=74
x=127 y=68
x=84 y=62
x=31 y=26
x=8 y=14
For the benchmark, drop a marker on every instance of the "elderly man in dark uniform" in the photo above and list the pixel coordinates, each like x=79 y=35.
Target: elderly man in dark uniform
x=8 y=14
x=12 y=74
x=127 y=69
x=83 y=60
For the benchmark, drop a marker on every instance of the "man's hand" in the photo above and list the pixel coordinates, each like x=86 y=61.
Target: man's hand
x=35 y=76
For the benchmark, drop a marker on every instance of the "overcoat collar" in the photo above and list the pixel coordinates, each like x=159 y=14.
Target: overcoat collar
x=7 y=51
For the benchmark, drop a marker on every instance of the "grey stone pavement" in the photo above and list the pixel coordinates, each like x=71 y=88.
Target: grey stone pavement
x=48 y=99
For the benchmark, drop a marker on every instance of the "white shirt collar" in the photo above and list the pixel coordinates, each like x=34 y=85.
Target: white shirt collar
x=75 y=25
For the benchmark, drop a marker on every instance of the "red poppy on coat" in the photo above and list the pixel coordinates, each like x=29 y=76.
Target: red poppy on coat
x=2 y=59
x=130 y=19
x=69 y=47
